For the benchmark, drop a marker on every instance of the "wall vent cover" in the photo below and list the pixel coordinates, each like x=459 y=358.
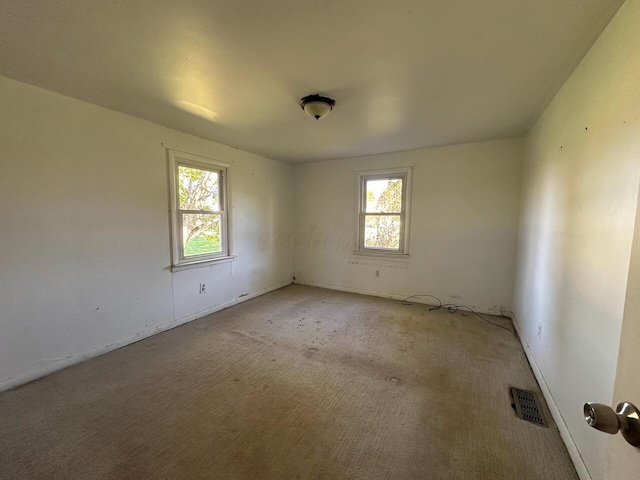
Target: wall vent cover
x=527 y=406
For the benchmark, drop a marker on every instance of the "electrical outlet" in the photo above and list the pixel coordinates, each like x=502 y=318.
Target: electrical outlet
x=377 y=273
x=203 y=288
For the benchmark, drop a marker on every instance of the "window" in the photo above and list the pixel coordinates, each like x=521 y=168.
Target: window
x=383 y=211
x=198 y=209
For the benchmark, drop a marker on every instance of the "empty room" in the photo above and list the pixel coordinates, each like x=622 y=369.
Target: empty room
x=339 y=240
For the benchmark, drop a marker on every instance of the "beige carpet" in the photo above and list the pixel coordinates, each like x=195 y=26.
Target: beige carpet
x=302 y=383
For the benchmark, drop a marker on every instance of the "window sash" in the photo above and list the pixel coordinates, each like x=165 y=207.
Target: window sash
x=223 y=236
x=403 y=174
x=362 y=239
x=384 y=177
x=202 y=212
x=221 y=194
x=384 y=249
x=181 y=159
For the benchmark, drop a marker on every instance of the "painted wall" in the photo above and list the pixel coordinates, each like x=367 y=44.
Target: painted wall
x=464 y=221
x=578 y=209
x=84 y=242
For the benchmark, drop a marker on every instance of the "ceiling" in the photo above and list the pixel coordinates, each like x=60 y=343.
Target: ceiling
x=405 y=74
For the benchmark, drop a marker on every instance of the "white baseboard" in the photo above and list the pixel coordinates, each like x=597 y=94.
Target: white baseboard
x=486 y=311
x=64 y=362
x=565 y=434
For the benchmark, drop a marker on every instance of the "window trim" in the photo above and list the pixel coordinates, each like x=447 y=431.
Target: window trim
x=405 y=173
x=179 y=261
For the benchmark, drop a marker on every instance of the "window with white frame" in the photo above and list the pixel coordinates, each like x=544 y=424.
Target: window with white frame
x=198 y=208
x=383 y=211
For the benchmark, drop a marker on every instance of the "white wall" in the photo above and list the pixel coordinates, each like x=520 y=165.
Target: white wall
x=578 y=208
x=84 y=242
x=464 y=220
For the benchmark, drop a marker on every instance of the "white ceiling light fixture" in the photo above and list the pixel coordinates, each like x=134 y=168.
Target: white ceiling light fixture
x=317 y=106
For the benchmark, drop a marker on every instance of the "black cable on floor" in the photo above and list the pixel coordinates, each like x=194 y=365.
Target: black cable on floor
x=434 y=307
x=453 y=308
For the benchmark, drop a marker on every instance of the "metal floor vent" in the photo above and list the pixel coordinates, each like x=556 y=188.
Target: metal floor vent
x=527 y=406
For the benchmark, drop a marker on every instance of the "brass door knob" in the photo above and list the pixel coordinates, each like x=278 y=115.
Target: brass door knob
x=626 y=420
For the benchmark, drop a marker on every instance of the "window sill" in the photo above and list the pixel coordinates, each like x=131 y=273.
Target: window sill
x=382 y=255
x=202 y=263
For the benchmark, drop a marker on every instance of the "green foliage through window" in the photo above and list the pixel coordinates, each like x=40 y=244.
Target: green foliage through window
x=200 y=205
x=383 y=196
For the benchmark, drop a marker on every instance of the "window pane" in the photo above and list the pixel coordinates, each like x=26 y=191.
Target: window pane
x=201 y=233
x=382 y=231
x=199 y=189
x=384 y=196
